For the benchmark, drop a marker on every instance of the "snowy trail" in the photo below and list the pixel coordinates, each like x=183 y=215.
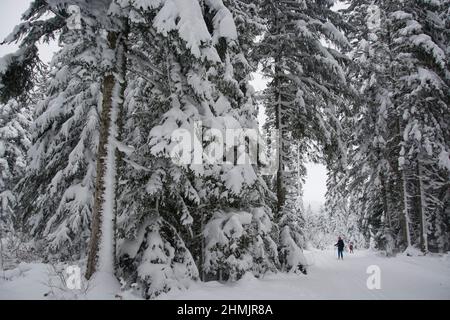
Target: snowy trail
x=401 y=278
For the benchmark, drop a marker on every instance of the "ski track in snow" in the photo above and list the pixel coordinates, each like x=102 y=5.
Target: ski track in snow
x=328 y=278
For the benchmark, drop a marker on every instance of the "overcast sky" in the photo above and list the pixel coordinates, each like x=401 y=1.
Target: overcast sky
x=315 y=185
x=10 y=13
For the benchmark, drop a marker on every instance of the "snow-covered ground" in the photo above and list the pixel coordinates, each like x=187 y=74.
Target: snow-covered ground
x=401 y=277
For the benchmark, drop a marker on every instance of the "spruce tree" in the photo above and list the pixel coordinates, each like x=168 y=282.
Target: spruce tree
x=15 y=120
x=304 y=95
x=399 y=146
x=196 y=82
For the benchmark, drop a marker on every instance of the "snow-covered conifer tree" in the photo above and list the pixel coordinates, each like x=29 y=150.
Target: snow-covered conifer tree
x=399 y=159
x=198 y=76
x=58 y=192
x=306 y=89
x=422 y=83
x=15 y=119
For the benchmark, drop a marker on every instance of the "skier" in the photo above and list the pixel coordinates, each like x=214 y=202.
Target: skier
x=350 y=247
x=340 y=246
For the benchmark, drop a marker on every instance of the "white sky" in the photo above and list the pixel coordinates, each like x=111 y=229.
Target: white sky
x=314 y=188
x=10 y=13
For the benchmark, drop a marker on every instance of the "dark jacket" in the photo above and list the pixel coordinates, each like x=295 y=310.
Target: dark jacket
x=340 y=244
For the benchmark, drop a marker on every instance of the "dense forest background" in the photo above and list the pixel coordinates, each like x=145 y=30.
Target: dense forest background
x=86 y=142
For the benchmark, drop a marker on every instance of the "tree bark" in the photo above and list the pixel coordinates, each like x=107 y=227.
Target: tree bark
x=385 y=201
x=280 y=188
x=109 y=83
x=422 y=210
x=105 y=122
x=406 y=209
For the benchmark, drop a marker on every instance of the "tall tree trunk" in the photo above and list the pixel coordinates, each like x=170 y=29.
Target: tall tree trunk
x=406 y=215
x=280 y=188
x=105 y=120
x=422 y=210
x=103 y=215
x=122 y=63
x=406 y=209
x=387 y=215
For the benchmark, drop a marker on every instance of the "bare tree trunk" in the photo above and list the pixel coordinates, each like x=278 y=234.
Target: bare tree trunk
x=280 y=188
x=280 y=178
x=106 y=121
x=387 y=223
x=422 y=208
x=403 y=177
x=385 y=201
x=406 y=209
